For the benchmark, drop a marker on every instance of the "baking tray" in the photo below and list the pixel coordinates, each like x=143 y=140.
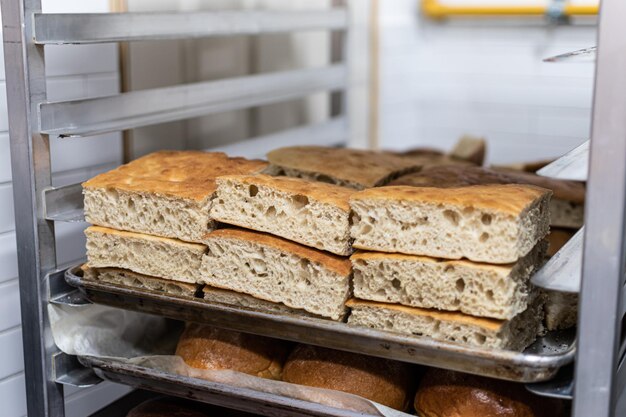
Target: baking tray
x=242 y=399
x=540 y=362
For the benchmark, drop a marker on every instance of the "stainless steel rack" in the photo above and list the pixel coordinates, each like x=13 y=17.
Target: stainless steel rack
x=599 y=375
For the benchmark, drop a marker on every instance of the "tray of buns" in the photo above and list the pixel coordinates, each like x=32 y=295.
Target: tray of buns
x=539 y=362
x=420 y=256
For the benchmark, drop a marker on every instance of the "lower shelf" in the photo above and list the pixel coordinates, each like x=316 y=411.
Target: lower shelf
x=540 y=362
x=242 y=399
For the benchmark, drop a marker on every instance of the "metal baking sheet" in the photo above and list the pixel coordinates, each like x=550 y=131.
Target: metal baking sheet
x=539 y=362
x=243 y=399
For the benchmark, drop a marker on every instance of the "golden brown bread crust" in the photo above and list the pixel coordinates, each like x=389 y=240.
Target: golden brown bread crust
x=457 y=176
x=485 y=323
x=510 y=199
x=557 y=239
x=365 y=255
x=168 y=407
x=339 y=264
x=322 y=192
x=210 y=348
x=445 y=393
x=383 y=381
x=197 y=247
x=366 y=168
x=179 y=174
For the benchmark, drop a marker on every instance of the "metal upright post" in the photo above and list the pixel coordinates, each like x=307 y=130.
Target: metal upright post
x=30 y=155
x=603 y=262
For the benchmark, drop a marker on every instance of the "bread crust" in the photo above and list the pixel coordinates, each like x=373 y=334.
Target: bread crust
x=457 y=176
x=354 y=166
x=383 y=381
x=493 y=325
x=366 y=255
x=210 y=348
x=178 y=174
x=196 y=247
x=510 y=199
x=454 y=394
x=340 y=265
x=322 y=192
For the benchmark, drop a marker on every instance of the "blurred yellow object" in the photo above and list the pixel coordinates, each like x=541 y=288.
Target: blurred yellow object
x=435 y=9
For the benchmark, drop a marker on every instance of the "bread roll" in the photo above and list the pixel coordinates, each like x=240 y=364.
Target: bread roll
x=443 y=393
x=383 y=381
x=145 y=254
x=352 y=168
x=166 y=193
x=210 y=348
x=496 y=291
x=484 y=223
x=277 y=270
x=515 y=334
x=308 y=212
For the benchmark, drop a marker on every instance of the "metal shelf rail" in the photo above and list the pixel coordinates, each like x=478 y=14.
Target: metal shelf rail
x=600 y=374
x=34 y=119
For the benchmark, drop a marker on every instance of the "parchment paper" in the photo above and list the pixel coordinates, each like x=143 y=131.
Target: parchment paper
x=150 y=341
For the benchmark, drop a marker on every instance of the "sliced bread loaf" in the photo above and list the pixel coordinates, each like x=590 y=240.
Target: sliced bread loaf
x=514 y=334
x=478 y=289
x=277 y=270
x=484 y=223
x=145 y=254
x=352 y=168
x=165 y=193
x=311 y=213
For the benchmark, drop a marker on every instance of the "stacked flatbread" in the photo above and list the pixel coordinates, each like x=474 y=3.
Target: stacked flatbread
x=150 y=217
x=450 y=263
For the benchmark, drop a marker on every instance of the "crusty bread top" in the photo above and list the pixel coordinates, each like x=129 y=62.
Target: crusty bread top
x=338 y=264
x=181 y=174
x=197 y=247
x=457 y=176
x=367 y=168
x=448 y=393
x=399 y=257
x=464 y=319
x=322 y=192
x=511 y=199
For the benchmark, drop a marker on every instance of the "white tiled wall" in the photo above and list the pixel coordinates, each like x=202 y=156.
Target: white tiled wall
x=72 y=72
x=440 y=80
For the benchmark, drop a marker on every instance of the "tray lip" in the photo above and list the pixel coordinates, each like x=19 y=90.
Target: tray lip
x=196 y=384
x=502 y=357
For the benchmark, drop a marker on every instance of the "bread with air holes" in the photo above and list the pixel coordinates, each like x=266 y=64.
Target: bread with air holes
x=145 y=254
x=167 y=193
x=484 y=223
x=277 y=270
x=130 y=279
x=308 y=212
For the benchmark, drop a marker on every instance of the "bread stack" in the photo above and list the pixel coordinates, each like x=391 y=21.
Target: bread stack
x=294 y=247
x=150 y=216
x=450 y=263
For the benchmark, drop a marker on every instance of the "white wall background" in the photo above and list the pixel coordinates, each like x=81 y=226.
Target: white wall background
x=440 y=80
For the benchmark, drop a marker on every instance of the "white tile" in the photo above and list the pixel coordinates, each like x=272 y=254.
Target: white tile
x=80 y=59
x=9 y=305
x=5 y=158
x=74 y=6
x=13 y=396
x=8 y=256
x=11 y=350
x=7 y=218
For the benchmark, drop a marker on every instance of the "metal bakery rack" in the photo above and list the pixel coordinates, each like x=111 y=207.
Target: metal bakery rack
x=599 y=372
